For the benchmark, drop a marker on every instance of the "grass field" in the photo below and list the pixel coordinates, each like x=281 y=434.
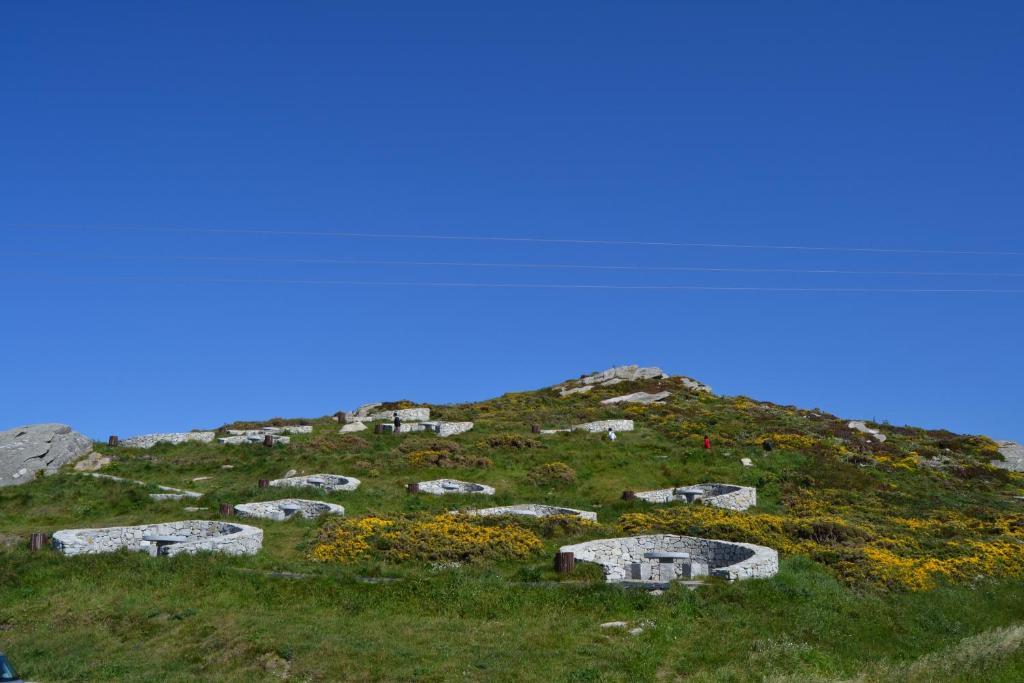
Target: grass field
x=900 y=561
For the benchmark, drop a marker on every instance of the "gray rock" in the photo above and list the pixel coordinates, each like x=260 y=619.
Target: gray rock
x=1014 y=456
x=638 y=397
x=46 y=447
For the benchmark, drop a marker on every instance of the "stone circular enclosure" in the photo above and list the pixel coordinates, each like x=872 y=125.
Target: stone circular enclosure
x=287 y=508
x=327 y=482
x=440 y=487
x=532 y=510
x=169 y=538
x=665 y=557
x=727 y=496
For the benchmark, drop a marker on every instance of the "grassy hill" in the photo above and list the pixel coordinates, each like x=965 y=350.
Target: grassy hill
x=901 y=560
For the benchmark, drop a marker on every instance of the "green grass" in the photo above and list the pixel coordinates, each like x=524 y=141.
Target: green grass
x=130 y=617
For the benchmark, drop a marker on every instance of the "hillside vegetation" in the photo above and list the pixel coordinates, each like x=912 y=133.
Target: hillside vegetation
x=900 y=560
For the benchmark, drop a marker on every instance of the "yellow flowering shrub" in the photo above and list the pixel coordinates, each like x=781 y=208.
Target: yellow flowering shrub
x=789 y=442
x=443 y=538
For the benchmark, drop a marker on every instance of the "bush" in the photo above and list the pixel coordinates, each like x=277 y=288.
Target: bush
x=444 y=538
x=551 y=474
x=511 y=441
x=447 y=459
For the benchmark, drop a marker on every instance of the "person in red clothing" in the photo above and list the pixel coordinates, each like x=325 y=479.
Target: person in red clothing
x=707 y=442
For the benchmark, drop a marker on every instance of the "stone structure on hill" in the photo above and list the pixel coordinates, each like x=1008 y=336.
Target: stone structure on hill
x=639 y=397
x=862 y=427
x=150 y=440
x=661 y=558
x=441 y=487
x=532 y=510
x=623 y=373
x=280 y=510
x=327 y=482
x=1013 y=456
x=39 y=447
x=727 y=496
x=169 y=538
x=604 y=426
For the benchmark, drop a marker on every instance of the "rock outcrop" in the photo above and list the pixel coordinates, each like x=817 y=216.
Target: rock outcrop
x=40 y=447
x=638 y=397
x=1013 y=454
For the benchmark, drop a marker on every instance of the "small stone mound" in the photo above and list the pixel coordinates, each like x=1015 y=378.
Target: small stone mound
x=441 y=487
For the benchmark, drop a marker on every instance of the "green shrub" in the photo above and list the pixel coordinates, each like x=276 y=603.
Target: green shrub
x=551 y=474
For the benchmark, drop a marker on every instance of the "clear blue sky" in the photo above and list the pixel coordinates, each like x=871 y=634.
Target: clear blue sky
x=868 y=124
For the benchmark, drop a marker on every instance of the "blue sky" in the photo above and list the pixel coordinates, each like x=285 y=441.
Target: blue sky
x=847 y=125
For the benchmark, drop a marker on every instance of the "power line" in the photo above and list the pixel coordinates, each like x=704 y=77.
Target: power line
x=485 y=264
x=528 y=240
x=492 y=285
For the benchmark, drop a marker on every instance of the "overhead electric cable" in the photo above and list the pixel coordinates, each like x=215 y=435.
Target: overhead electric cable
x=530 y=240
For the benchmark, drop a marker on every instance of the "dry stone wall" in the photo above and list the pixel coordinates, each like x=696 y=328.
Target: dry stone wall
x=727 y=496
x=440 y=487
x=280 y=510
x=620 y=558
x=327 y=482
x=605 y=425
x=532 y=510
x=199 y=536
x=150 y=440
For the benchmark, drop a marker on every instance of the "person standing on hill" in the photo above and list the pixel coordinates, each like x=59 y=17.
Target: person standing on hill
x=398 y=423
x=707 y=442
x=767 y=446
x=611 y=434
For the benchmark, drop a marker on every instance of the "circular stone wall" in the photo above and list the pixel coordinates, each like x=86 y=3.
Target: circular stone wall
x=725 y=559
x=286 y=508
x=727 y=496
x=327 y=482
x=199 y=535
x=440 y=487
x=532 y=510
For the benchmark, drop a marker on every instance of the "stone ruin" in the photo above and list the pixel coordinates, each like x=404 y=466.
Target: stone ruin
x=150 y=440
x=440 y=487
x=170 y=538
x=600 y=426
x=327 y=482
x=658 y=559
x=413 y=420
x=532 y=510
x=727 y=496
x=276 y=434
x=286 y=508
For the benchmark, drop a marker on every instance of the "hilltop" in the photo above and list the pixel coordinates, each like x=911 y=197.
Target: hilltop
x=901 y=549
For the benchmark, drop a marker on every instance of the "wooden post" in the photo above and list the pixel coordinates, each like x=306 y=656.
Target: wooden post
x=113 y=440
x=535 y=429
x=412 y=488
x=268 y=440
x=378 y=428
x=37 y=541
x=565 y=563
x=628 y=495
x=264 y=483
x=340 y=417
x=226 y=510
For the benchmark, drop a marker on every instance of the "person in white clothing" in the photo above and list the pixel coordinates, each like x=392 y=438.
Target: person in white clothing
x=611 y=434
